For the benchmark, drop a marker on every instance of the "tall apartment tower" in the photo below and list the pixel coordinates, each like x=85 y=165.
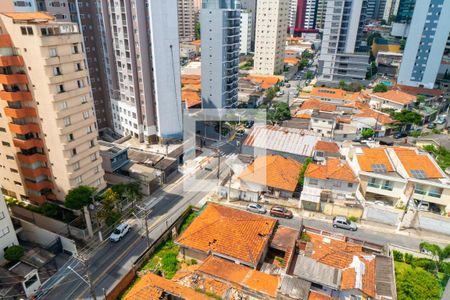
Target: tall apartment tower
x=271 y=34
x=48 y=127
x=143 y=37
x=292 y=15
x=390 y=9
x=342 y=40
x=246 y=32
x=320 y=13
x=187 y=18
x=375 y=9
x=251 y=6
x=85 y=14
x=425 y=44
x=306 y=14
x=8 y=235
x=220 y=34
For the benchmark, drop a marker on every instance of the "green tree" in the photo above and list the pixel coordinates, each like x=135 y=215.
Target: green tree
x=408 y=117
x=371 y=38
x=301 y=178
x=419 y=99
x=441 y=154
x=367 y=133
x=372 y=70
x=417 y=284
x=270 y=93
x=307 y=55
x=380 y=88
x=109 y=212
x=279 y=112
x=197 y=31
x=79 y=197
x=309 y=75
x=439 y=254
x=342 y=84
x=133 y=192
x=14 y=253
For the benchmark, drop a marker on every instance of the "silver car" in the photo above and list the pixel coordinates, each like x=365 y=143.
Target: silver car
x=344 y=223
x=256 y=208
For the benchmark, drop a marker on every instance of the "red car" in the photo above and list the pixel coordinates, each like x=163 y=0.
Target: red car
x=281 y=212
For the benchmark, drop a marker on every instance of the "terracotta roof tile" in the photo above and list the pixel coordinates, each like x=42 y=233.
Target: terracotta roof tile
x=327 y=147
x=371 y=156
x=418 y=90
x=322 y=92
x=29 y=16
x=243 y=276
x=274 y=171
x=228 y=231
x=191 y=98
x=396 y=96
x=291 y=60
x=334 y=168
x=317 y=104
x=313 y=295
x=265 y=82
x=411 y=161
x=152 y=287
x=370 y=113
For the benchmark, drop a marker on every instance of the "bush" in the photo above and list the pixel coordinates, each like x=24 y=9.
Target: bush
x=408 y=258
x=14 y=253
x=50 y=210
x=353 y=218
x=398 y=256
x=305 y=237
x=169 y=264
x=417 y=284
x=194 y=262
x=424 y=263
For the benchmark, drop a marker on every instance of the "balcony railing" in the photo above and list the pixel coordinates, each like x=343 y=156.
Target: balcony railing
x=420 y=192
x=387 y=187
x=374 y=185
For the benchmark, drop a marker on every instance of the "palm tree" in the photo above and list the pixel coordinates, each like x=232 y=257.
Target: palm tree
x=438 y=253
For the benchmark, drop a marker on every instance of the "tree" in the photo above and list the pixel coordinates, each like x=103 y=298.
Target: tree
x=439 y=254
x=270 y=94
x=372 y=70
x=408 y=117
x=14 y=253
x=419 y=99
x=109 y=212
x=371 y=38
x=417 y=284
x=133 y=192
x=309 y=75
x=380 y=88
x=342 y=84
x=441 y=154
x=279 y=112
x=367 y=133
x=79 y=197
x=307 y=55
x=197 y=30
x=301 y=178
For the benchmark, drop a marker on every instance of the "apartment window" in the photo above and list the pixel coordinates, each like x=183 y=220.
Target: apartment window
x=93 y=156
x=89 y=130
x=13 y=170
x=73 y=152
x=57 y=71
x=67 y=121
x=60 y=88
x=337 y=184
x=78 y=179
x=75 y=49
x=17 y=183
x=85 y=115
x=76 y=166
x=70 y=137
x=83 y=99
x=52 y=52
x=9 y=157
x=78 y=67
x=23 y=30
x=2 y=129
x=350 y=185
x=97 y=182
x=4 y=231
x=63 y=105
x=80 y=83
x=92 y=144
x=6 y=144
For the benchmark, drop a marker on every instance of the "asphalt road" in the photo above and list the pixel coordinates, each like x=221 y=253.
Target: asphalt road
x=112 y=260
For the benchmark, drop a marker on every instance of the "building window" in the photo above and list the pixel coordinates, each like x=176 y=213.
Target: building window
x=350 y=185
x=92 y=144
x=78 y=179
x=93 y=156
x=6 y=144
x=76 y=166
x=60 y=88
x=73 y=152
x=80 y=83
x=75 y=49
x=52 y=52
x=85 y=114
x=67 y=121
x=56 y=71
x=70 y=137
x=63 y=105
x=4 y=231
x=78 y=67
x=313 y=181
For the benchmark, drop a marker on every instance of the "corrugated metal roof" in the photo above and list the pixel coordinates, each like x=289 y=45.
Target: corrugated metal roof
x=283 y=139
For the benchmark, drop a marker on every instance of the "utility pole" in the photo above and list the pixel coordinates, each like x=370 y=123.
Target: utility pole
x=218 y=164
x=85 y=262
x=147 y=212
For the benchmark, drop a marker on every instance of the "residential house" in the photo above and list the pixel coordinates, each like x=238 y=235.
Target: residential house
x=333 y=181
x=392 y=99
x=323 y=123
x=235 y=235
x=324 y=149
x=331 y=95
x=269 y=176
x=288 y=142
x=369 y=118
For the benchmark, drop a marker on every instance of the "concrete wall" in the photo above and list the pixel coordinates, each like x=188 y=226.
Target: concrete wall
x=332 y=209
x=433 y=222
x=381 y=214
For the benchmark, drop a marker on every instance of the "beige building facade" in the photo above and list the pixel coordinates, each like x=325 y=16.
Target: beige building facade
x=48 y=128
x=271 y=32
x=187 y=17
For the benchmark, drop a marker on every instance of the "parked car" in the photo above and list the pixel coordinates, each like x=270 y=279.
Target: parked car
x=423 y=206
x=288 y=85
x=281 y=212
x=256 y=208
x=431 y=125
x=344 y=223
x=400 y=135
x=119 y=232
x=249 y=124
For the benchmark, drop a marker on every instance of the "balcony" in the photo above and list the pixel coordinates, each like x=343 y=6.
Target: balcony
x=13 y=79
x=36 y=172
x=15 y=96
x=20 y=112
x=38 y=186
x=28 y=144
x=68 y=76
x=5 y=41
x=57 y=60
x=31 y=159
x=8 y=61
x=24 y=129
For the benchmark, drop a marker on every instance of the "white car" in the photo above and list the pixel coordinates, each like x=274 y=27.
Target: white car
x=256 y=208
x=119 y=232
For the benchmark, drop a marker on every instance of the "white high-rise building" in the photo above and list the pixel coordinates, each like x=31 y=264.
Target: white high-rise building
x=8 y=236
x=220 y=35
x=292 y=16
x=426 y=43
x=246 y=32
x=342 y=39
x=144 y=39
x=271 y=33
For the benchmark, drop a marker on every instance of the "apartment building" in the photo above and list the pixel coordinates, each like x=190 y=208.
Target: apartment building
x=306 y=14
x=8 y=236
x=187 y=17
x=220 y=34
x=271 y=25
x=375 y=9
x=320 y=13
x=292 y=15
x=251 y=6
x=426 y=42
x=48 y=127
x=143 y=37
x=246 y=32
x=341 y=57
x=390 y=9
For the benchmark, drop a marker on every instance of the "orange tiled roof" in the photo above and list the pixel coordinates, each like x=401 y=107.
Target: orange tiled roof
x=418 y=90
x=341 y=255
x=371 y=156
x=322 y=92
x=29 y=16
x=290 y=51
x=370 y=113
x=243 y=276
x=411 y=160
x=313 y=295
x=152 y=287
x=274 y=171
x=196 y=42
x=265 y=82
x=228 y=231
x=317 y=104
x=334 y=168
x=302 y=115
x=396 y=96
x=291 y=60
x=190 y=98
x=327 y=146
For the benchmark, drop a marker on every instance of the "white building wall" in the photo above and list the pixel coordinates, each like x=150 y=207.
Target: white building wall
x=7 y=233
x=246 y=32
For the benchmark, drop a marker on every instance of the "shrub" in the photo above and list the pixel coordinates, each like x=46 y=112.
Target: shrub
x=14 y=253
x=353 y=218
x=305 y=237
x=408 y=258
x=193 y=262
x=50 y=210
x=417 y=284
x=423 y=263
x=169 y=264
x=398 y=256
